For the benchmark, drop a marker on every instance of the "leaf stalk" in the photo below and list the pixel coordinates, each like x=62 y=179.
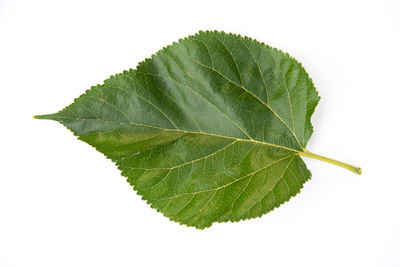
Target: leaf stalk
x=349 y=167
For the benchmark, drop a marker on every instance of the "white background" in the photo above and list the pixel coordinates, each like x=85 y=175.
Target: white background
x=64 y=204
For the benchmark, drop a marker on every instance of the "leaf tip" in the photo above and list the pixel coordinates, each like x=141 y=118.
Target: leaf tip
x=44 y=117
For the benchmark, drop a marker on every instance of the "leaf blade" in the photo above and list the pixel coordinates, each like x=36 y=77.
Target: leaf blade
x=195 y=127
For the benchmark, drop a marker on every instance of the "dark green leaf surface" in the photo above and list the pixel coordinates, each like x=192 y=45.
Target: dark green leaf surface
x=208 y=130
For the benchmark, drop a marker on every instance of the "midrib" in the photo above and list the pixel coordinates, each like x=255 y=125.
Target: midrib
x=176 y=130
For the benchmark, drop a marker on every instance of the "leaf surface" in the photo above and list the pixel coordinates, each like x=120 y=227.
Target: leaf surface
x=207 y=130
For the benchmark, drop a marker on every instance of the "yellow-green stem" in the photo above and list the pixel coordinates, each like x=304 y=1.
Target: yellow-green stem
x=331 y=161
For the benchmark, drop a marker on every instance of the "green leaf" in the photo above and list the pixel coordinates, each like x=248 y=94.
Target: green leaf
x=209 y=129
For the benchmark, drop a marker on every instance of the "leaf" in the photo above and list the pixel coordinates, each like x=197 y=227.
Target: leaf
x=210 y=129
